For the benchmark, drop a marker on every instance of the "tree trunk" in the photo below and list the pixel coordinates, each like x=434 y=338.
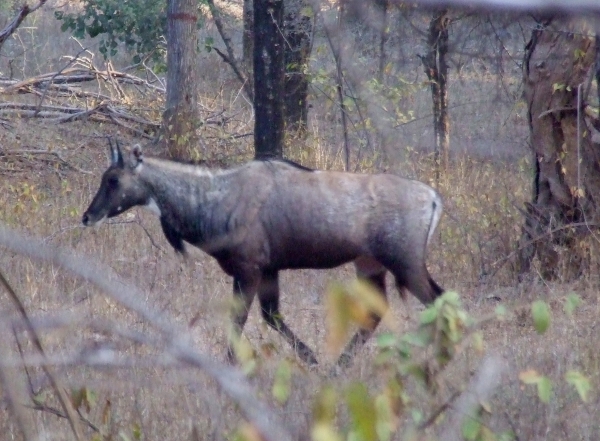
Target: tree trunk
x=558 y=67
x=248 y=35
x=384 y=34
x=298 y=28
x=436 y=68
x=180 y=119
x=268 y=79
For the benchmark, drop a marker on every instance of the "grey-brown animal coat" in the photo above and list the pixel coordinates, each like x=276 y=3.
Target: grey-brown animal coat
x=267 y=216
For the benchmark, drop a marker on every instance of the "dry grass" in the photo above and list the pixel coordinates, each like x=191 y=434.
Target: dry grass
x=481 y=229
x=471 y=254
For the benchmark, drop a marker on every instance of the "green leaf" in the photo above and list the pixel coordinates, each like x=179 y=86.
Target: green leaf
x=325 y=405
x=501 y=312
x=387 y=340
x=578 y=54
x=337 y=309
x=428 y=315
x=580 y=382
x=452 y=298
x=417 y=415
x=137 y=432
x=471 y=428
x=541 y=316
x=572 y=302
x=543 y=383
x=209 y=43
x=40 y=398
x=420 y=338
x=385 y=424
x=506 y=436
x=362 y=411
x=283 y=382
x=544 y=387
x=307 y=11
x=478 y=343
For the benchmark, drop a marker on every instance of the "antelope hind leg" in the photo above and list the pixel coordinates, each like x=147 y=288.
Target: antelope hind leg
x=268 y=295
x=371 y=270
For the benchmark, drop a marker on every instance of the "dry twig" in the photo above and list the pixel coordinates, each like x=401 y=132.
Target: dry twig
x=64 y=400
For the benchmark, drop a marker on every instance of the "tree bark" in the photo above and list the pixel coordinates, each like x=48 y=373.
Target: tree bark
x=181 y=119
x=268 y=79
x=436 y=68
x=298 y=28
x=558 y=68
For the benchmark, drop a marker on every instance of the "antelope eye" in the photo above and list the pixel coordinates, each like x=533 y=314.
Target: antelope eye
x=113 y=182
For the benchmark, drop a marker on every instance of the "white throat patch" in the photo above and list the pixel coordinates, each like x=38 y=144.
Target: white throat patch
x=152 y=206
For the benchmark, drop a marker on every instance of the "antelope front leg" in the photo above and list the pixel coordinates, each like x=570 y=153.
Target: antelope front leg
x=244 y=290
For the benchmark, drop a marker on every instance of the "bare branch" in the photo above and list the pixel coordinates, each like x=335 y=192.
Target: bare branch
x=230 y=57
x=16 y=22
x=43 y=152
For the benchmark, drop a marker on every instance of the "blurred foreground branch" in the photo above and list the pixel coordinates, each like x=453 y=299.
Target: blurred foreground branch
x=479 y=390
x=230 y=379
x=520 y=5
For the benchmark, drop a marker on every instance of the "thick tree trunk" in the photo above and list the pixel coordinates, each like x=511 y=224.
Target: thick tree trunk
x=298 y=27
x=181 y=119
x=268 y=79
x=436 y=68
x=558 y=69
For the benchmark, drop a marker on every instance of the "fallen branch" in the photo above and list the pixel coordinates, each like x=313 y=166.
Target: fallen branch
x=103 y=112
x=74 y=75
x=43 y=152
x=58 y=73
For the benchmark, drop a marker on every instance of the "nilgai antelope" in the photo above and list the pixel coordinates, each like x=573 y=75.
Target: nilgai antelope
x=266 y=216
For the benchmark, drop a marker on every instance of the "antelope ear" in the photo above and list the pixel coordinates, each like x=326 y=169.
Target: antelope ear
x=136 y=157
